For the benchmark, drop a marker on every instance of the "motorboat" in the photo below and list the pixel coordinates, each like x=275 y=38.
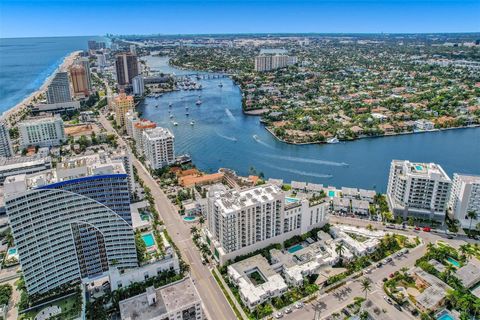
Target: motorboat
x=333 y=140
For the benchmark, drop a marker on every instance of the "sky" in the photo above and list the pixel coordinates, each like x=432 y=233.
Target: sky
x=37 y=18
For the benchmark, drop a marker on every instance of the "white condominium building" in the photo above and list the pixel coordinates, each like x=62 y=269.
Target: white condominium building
x=131 y=117
x=42 y=132
x=272 y=62
x=418 y=189
x=240 y=222
x=465 y=197
x=158 y=147
x=6 y=149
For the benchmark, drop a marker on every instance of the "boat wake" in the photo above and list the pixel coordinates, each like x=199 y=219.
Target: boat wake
x=308 y=160
x=256 y=138
x=299 y=172
x=225 y=137
x=230 y=114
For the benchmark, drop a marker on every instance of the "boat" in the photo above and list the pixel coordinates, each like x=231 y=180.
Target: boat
x=170 y=105
x=192 y=122
x=171 y=116
x=199 y=102
x=186 y=108
x=175 y=123
x=187 y=114
x=333 y=140
x=156 y=106
x=220 y=84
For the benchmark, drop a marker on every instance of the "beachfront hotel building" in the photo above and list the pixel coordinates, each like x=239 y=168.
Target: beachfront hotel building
x=122 y=104
x=465 y=197
x=85 y=63
x=138 y=127
x=6 y=149
x=79 y=80
x=126 y=66
x=59 y=89
x=420 y=190
x=240 y=222
x=70 y=223
x=157 y=144
x=42 y=132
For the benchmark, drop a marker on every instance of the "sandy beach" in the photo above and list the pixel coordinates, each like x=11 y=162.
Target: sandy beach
x=10 y=114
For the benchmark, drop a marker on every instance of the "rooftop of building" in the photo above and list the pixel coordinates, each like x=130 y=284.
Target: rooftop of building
x=158 y=133
x=469 y=274
x=145 y=124
x=468 y=178
x=22 y=161
x=40 y=120
x=423 y=170
x=168 y=299
x=72 y=168
x=233 y=200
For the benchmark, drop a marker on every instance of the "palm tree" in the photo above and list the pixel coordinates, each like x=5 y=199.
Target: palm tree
x=465 y=250
x=193 y=230
x=201 y=221
x=449 y=269
x=366 y=286
x=472 y=215
x=340 y=249
x=430 y=247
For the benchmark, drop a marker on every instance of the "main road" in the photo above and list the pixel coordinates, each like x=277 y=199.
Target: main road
x=215 y=304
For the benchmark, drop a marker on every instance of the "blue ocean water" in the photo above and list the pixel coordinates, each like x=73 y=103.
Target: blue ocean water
x=25 y=63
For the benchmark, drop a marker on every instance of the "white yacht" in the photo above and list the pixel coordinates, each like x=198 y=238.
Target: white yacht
x=333 y=140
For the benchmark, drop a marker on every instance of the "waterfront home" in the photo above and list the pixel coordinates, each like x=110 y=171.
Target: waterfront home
x=469 y=274
x=341 y=205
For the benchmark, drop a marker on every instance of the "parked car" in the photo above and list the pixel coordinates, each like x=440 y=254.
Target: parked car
x=389 y=301
x=398 y=307
x=288 y=310
x=417 y=228
x=379 y=265
x=427 y=229
x=299 y=305
x=278 y=315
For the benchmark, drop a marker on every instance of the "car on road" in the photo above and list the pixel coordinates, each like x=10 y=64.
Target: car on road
x=299 y=305
x=389 y=301
x=278 y=315
x=288 y=310
x=427 y=229
x=379 y=265
x=417 y=229
x=391 y=226
x=387 y=260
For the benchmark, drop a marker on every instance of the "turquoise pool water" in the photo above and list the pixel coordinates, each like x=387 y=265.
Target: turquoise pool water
x=291 y=200
x=454 y=262
x=189 y=218
x=419 y=168
x=445 y=316
x=331 y=194
x=148 y=239
x=295 y=248
x=12 y=251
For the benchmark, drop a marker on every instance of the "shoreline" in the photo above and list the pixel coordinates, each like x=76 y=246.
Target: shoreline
x=10 y=114
x=372 y=137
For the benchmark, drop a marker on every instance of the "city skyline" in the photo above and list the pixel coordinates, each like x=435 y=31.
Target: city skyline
x=42 y=18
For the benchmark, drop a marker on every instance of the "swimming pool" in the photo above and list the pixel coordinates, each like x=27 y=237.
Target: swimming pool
x=331 y=194
x=418 y=167
x=189 y=219
x=445 y=315
x=454 y=262
x=291 y=200
x=148 y=239
x=295 y=248
x=12 y=251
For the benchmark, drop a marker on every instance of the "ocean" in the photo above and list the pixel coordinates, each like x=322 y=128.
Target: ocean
x=25 y=63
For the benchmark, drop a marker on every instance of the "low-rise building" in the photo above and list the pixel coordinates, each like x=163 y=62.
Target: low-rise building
x=42 y=132
x=469 y=274
x=360 y=207
x=124 y=278
x=434 y=290
x=256 y=280
x=341 y=205
x=18 y=165
x=179 y=300
x=59 y=107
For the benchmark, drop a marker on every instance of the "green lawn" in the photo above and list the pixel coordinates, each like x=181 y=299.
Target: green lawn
x=70 y=307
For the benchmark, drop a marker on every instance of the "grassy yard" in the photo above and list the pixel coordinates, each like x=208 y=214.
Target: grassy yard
x=70 y=309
